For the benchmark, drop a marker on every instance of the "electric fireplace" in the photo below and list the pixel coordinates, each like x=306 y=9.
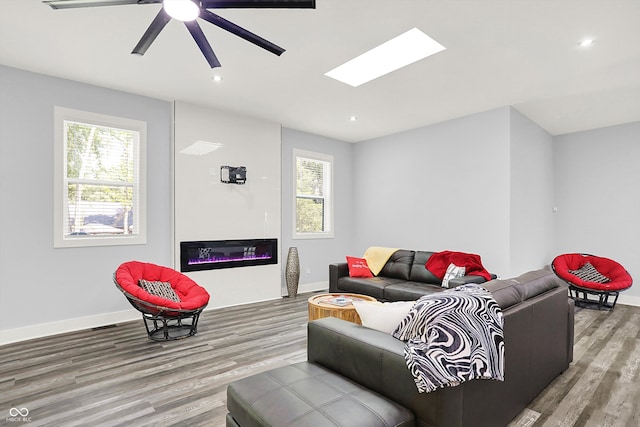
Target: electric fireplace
x=215 y=254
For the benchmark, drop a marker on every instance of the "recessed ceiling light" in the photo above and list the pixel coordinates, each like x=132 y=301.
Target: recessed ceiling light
x=586 y=42
x=217 y=78
x=353 y=118
x=394 y=54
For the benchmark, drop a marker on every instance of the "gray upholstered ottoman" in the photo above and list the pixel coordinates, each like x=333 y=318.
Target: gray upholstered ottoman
x=308 y=395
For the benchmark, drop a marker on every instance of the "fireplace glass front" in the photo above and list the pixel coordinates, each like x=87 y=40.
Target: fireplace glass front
x=215 y=254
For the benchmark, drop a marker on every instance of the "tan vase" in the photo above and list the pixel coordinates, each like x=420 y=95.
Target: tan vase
x=292 y=272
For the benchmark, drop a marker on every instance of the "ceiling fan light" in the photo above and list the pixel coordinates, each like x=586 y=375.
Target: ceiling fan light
x=182 y=10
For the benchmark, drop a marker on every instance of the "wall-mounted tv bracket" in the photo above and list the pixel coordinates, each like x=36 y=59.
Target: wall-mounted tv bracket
x=233 y=174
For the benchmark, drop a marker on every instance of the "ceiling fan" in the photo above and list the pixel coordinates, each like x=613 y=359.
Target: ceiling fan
x=187 y=11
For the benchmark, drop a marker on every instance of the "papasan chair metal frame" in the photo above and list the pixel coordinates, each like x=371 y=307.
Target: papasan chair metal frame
x=589 y=275
x=164 y=319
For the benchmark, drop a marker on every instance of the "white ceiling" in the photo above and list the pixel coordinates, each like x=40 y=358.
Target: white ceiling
x=499 y=52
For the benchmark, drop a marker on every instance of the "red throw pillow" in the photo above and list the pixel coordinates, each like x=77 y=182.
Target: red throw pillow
x=358 y=267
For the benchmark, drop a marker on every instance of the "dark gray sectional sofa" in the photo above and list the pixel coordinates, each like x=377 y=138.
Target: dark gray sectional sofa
x=358 y=377
x=403 y=278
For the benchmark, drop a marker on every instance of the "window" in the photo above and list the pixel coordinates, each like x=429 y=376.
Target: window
x=313 y=195
x=99 y=191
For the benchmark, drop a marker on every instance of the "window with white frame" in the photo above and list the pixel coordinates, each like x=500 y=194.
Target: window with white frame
x=99 y=186
x=313 y=187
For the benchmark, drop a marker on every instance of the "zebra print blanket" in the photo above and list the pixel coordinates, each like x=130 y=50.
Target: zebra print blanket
x=453 y=336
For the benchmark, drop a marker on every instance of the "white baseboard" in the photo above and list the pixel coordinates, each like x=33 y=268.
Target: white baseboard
x=8 y=336
x=629 y=300
x=310 y=287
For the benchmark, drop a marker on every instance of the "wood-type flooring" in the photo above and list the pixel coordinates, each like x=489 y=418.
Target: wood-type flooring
x=115 y=376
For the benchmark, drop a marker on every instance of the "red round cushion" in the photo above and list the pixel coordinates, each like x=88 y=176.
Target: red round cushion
x=192 y=296
x=616 y=273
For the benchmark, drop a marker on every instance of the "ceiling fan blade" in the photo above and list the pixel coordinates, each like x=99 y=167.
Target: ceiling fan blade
x=240 y=32
x=70 y=4
x=259 y=4
x=152 y=32
x=203 y=44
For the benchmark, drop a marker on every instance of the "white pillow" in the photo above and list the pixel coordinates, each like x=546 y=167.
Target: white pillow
x=453 y=272
x=384 y=317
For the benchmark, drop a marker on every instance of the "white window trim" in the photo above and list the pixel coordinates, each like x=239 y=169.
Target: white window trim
x=328 y=199
x=61 y=115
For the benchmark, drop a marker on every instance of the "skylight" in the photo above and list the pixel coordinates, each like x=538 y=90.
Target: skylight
x=392 y=55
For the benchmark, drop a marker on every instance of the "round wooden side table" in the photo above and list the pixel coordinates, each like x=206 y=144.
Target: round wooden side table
x=321 y=306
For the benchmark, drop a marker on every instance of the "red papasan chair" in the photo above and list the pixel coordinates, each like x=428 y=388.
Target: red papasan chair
x=169 y=301
x=592 y=275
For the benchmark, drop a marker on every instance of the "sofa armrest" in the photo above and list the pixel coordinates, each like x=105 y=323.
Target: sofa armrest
x=337 y=271
x=459 y=281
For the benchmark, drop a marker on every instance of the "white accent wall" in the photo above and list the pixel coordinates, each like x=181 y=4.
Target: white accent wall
x=45 y=290
x=597 y=195
x=207 y=209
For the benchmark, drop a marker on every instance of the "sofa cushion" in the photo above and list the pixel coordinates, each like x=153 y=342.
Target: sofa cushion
x=358 y=267
x=537 y=282
x=383 y=317
x=419 y=272
x=588 y=273
x=306 y=394
x=399 y=265
x=454 y=283
x=504 y=292
x=510 y=292
x=160 y=289
x=453 y=272
x=409 y=291
x=373 y=286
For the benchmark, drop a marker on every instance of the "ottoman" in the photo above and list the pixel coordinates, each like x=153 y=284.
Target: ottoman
x=308 y=395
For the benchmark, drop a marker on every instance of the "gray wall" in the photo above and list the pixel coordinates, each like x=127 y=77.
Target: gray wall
x=531 y=237
x=316 y=254
x=488 y=183
x=41 y=284
x=597 y=177
x=439 y=187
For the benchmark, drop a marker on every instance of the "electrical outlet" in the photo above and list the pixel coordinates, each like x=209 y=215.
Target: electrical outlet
x=308 y=272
